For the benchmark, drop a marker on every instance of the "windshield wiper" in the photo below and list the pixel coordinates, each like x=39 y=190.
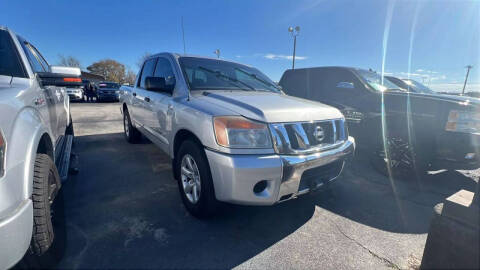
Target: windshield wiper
x=256 y=78
x=230 y=79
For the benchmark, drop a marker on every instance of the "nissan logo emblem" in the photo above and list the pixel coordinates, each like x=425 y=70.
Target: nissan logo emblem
x=319 y=134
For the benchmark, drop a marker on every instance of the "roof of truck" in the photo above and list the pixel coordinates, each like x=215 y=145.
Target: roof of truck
x=178 y=55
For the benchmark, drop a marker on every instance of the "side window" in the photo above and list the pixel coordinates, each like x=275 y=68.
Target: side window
x=34 y=62
x=10 y=64
x=164 y=69
x=147 y=71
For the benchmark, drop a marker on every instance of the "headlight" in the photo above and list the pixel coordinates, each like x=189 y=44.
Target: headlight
x=463 y=121
x=3 y=146
x=239 y=132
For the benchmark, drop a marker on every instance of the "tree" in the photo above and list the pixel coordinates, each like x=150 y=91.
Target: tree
x=110 y=69
x=142 y=59
x=130 y=77
x=68 y=61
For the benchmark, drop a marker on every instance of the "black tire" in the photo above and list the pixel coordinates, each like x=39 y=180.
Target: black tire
x=404 y=159
x=207 y=205
x=46 y=183
x=132 y=135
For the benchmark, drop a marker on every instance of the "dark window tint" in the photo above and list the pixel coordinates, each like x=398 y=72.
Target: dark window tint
x=147 y=71
x=164 y=69
x=10 y=64
x=32 y=58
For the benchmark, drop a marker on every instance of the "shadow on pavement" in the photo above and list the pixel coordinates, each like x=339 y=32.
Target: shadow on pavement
x=403 y=205
x=123 y=210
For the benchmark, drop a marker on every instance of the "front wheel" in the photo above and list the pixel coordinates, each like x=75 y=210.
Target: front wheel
x=195 y=180
x=399 y=157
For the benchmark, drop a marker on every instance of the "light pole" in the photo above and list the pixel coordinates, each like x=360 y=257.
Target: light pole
x=466 y=78
x=294 y=31
x=217 y=52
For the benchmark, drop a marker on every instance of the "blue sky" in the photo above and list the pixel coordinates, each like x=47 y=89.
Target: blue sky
x=333 y=32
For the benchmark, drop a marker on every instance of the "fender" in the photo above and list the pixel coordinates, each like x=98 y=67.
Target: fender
x=28 y=129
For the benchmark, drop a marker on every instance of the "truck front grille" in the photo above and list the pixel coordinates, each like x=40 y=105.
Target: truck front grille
x=308 y=137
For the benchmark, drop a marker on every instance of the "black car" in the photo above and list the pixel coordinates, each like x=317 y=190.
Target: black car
x=108 y=91
x=418 y=129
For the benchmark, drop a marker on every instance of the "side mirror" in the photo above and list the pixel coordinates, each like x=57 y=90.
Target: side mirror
x=345 y=85
x=61 y=76
x=158 y=84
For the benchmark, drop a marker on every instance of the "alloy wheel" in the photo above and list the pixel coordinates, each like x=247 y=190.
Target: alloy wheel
x=190 y=177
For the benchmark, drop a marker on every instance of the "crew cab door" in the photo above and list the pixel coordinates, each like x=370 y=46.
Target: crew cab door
x=159 y=104
x=138 y=110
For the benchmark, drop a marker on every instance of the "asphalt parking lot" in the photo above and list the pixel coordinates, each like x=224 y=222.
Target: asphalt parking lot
x=123 y=210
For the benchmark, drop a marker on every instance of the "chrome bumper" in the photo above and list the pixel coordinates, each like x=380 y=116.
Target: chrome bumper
x=234 y=176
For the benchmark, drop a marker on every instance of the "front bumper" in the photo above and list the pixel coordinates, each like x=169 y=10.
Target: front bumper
x=105 y=96
x=75 y=95
x=235 y=176
x=15 y=234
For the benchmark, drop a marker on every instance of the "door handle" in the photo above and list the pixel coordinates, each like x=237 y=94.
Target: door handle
x=147 y=99
x=134 y=94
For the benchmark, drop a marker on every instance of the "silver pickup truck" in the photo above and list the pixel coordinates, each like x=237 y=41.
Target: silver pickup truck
x=232 y=134
x=36 y=135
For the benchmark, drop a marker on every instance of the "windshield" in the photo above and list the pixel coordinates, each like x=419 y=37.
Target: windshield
x=418 y=87
x=211 y=74
x=375 y=81
x=109 y=85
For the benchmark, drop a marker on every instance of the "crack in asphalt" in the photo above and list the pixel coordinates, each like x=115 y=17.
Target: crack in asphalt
x=385 y=260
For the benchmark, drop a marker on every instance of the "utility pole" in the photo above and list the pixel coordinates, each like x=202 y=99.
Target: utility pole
x=294 y=31
x=466 y=78
x=183 y=35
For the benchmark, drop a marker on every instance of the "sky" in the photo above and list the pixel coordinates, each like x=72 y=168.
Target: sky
x=440 y=37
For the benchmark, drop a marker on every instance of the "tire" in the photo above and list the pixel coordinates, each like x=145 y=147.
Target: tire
x=46 y=183
x=403 y=159
x=206 y=204
x=132 y=135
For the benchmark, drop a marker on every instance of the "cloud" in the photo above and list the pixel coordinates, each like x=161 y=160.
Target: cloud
x=272 y=56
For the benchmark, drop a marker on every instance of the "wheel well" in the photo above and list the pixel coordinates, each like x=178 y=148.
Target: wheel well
x=180 y=137
x=45 y=146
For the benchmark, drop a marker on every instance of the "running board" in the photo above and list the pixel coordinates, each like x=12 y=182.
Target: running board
x=64 y=154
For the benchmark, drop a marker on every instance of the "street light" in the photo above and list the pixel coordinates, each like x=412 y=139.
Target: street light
x=466 y=78
x=217 y=52
x=294 y=31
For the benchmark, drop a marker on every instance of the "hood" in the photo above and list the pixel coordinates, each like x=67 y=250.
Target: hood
x=269 y=107
x=108 y=89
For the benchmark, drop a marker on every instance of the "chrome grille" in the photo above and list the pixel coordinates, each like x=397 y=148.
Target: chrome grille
x=307 y=137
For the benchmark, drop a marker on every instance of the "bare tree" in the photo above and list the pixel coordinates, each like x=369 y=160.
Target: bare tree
x=142 y=59
x=68 y=61
x=110 y=69
x=130 y=77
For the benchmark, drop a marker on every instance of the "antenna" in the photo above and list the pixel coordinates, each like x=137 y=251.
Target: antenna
x=183 y=35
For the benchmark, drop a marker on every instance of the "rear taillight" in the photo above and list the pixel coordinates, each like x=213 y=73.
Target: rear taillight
x=3 y=147
x=72 y=79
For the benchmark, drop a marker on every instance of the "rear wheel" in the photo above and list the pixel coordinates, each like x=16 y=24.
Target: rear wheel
x=195 y=180
x=132 y=135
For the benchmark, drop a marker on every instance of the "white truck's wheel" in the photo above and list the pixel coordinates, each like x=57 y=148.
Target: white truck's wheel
x=45 y=179
x=132 y=135
x=195 y=180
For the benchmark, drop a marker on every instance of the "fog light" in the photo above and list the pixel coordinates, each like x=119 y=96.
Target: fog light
x=470 y=156
x=260 y=186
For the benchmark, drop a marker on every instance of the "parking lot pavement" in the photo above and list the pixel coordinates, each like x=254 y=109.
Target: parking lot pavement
x=123 y=210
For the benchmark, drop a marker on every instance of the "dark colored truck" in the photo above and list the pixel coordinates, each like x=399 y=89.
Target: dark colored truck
x=420 y=131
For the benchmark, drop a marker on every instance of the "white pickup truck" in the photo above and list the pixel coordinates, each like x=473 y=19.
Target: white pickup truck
x=36 y=136
x=231 y=132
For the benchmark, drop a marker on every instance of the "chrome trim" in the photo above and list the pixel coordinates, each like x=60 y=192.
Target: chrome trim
x=294 y=166
x=282 y=142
